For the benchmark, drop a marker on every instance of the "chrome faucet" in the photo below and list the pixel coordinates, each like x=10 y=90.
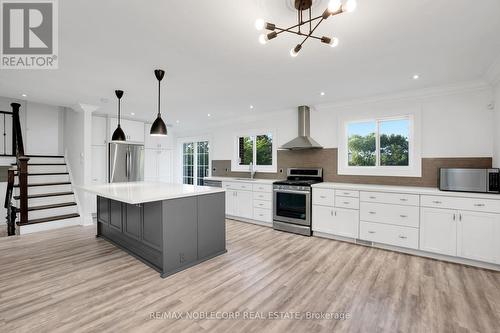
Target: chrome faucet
x=252 y=171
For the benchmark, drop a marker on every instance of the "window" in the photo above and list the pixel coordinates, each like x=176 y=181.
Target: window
x=195 y=162
x=257 y=149
x=384 y=146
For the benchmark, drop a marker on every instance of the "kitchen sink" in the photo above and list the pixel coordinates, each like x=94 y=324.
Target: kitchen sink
x=246 y=179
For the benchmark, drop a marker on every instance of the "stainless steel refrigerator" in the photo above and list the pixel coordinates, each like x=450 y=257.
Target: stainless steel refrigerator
x=126 y=162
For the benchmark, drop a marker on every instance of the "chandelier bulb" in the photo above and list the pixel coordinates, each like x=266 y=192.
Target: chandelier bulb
x=295 y=51
x=260 y=24
x=350 y=6
x=334 y=6
x=263 y=39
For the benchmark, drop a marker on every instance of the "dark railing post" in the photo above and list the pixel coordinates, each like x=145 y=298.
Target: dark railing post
x=15 y=117
x=11 y=209
x=23 y=188
x=11 y=227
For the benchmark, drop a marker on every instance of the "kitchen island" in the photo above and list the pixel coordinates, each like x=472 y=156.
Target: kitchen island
x=170 y=227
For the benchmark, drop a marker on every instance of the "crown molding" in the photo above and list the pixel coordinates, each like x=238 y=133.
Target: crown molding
x=437 y=91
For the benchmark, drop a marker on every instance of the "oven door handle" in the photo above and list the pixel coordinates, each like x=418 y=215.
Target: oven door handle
x=291 y=191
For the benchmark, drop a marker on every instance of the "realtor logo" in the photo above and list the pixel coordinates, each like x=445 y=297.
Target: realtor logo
x=29 y=38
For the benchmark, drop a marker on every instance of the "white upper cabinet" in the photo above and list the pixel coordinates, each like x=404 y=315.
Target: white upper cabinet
x=134 y=130
x=99 y=131
x=157 y=142
x=158 y=165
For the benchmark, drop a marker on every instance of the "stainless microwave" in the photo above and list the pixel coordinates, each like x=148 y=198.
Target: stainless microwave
x=469 y=180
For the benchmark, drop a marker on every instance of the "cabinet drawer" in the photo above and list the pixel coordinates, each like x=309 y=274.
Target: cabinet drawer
x=264 y=215
x=262 y=204
x=407 y=216
x=389 y=234
x=479 y=205
x=323 y=196
x=347 y=193
x=263 y=196
x=262 y=188
x=237 y=186
x=347 y=202
x=390 y=198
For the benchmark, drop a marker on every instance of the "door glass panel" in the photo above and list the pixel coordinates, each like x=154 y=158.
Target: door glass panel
x=188 y=163
x=202 y=159
x=291 y=205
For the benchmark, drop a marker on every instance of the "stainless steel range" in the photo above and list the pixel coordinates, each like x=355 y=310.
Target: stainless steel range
x=292 y=200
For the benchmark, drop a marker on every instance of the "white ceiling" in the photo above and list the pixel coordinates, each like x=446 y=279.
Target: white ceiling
x=214 y=63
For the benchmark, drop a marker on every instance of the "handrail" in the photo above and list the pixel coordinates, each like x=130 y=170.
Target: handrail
x=22 y=173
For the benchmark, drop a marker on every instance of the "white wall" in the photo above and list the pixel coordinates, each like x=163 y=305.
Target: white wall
x=496 y=126
x=454 y=124
x=41 y=125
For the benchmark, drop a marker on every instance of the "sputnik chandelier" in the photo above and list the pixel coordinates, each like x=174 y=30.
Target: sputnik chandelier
x=306 y=28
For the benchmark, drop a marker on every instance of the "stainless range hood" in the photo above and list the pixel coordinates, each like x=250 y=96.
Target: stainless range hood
x=304 y=140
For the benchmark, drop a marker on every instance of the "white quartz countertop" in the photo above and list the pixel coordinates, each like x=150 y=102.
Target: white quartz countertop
x=243 y=180
x=140 y=192
x=405 y=189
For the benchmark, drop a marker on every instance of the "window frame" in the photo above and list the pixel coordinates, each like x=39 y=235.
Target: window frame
x=235 y=165
x=414 y=168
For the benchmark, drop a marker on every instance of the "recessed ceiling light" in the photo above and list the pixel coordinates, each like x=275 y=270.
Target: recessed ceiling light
x=177 y=121
x=322 y=93
x=251 y=107
x=132 y=113
x=416 y=77
x=208 y=115
x=24 y=95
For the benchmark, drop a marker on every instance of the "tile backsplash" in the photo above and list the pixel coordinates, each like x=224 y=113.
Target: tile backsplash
x=327 y=159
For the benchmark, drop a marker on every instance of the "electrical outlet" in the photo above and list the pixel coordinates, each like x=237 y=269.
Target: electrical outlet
x=281 y=170
x=181 y=258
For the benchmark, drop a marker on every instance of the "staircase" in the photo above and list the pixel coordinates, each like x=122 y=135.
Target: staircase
x=51 y=201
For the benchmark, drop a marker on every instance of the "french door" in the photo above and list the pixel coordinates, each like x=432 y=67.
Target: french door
x=195 y=162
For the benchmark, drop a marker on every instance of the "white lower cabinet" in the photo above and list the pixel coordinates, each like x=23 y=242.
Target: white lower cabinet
x=249 y=201
x=389 y=234
x=98 y=169
x=239 y=203
x=478 y=235
x=470 y=235
x=335 y=221
x=438 y=231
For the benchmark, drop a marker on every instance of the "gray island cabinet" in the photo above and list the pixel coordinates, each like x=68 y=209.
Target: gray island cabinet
x=170 y=234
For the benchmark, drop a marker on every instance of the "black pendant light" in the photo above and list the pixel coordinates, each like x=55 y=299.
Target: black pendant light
x=118 y=134
x=159 y=128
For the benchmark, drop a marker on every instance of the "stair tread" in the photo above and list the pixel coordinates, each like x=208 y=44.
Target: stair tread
x=43 y=195
x=49 y=219
x=47 y=156
x=47 y=173
x=47 y=184
x=57 y=205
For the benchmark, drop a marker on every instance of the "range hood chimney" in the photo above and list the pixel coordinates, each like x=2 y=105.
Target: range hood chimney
x=304 y=140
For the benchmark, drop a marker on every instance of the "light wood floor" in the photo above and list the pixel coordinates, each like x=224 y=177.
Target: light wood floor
x=69 y=281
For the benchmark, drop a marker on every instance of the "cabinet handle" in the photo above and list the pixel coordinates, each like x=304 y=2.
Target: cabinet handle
x=371 y=232
x=261 y=215
x=346 y=193
x=437 y=202
x=454 y=217
x=403 y=237
x=322 y=197
x=346 y=202
x=403 y=199
x=331 y=212
x=335 y=213
x=460 y=217
x=373 y=213
x=261 y=204
x=403 y=216
x=479 y=205
x=372 y=197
